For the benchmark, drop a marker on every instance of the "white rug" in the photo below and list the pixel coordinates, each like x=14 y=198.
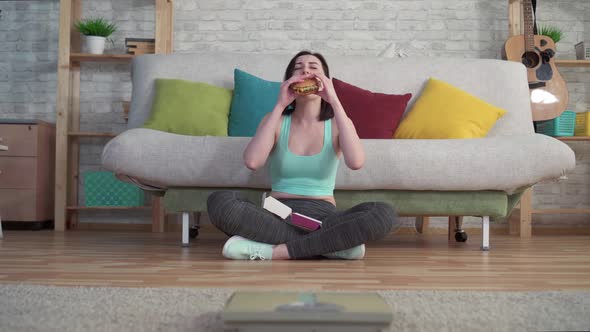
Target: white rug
x=47 y=308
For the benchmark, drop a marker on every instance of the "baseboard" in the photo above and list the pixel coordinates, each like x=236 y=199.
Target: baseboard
x=546 y=231
x=93 y=226
x=494 y=229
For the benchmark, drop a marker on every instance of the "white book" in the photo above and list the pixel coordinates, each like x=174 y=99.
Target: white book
x=297 y=219
x=275 y=206
x=3 y=147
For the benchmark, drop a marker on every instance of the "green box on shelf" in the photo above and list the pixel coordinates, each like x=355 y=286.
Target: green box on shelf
x=104 y=189
x=562 y=125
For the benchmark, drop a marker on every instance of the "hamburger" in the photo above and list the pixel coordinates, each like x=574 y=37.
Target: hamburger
x=308 y=86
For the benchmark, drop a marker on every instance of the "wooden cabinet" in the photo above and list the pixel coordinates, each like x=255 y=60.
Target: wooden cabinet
x=27 y=169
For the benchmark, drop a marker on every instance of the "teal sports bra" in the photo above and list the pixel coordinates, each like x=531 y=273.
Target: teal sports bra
x=295 y=174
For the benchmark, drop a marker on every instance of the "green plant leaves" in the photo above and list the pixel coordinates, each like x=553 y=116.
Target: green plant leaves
x=95 y=27
x=550 y=31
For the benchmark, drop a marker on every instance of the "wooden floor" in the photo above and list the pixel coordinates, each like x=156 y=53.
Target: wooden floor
x=398 y=262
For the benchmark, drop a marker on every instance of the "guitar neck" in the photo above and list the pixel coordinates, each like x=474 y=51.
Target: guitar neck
x=529 y=33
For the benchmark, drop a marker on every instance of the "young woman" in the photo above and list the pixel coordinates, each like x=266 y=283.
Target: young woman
x=304 y=137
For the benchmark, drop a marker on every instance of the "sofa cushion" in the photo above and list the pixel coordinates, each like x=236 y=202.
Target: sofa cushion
x=374 y=115
x=421 y=164
x=444 y=111
x=488 y=79
x=189 y=108
x=253 y=97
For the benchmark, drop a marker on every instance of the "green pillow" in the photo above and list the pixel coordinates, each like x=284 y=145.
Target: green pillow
x=190 y=108
x=253 y=98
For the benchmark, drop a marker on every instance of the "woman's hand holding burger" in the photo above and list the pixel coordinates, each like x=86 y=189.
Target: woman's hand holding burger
x=326 y=89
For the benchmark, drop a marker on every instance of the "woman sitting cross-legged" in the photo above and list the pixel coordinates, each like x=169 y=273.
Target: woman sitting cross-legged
x=304 y=136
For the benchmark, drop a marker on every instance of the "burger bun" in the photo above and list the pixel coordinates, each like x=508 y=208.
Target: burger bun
x=307 y=87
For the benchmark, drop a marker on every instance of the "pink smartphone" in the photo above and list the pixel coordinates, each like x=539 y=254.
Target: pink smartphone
x=305 y=222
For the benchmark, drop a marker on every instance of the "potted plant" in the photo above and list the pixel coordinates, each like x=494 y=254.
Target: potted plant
x=96 y=30
x=550 y=31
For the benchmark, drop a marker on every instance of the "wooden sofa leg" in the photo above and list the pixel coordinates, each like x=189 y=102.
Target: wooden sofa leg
x=185 y=216
x=158 y=214
x=422 y=223
x=451 y=228
x=485 y=224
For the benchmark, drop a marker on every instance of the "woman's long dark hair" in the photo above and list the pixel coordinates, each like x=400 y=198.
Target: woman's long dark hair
x=326 y=111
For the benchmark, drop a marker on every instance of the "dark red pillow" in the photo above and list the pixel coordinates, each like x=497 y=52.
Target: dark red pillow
x=374 y=115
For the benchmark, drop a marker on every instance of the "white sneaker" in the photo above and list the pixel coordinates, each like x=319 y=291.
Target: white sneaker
x=238 y=247
x=357 y=252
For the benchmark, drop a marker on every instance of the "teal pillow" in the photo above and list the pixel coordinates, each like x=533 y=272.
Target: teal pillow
x=189 y=108
x=253 y=98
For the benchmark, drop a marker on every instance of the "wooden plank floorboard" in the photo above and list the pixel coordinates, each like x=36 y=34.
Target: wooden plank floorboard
x=93 y=258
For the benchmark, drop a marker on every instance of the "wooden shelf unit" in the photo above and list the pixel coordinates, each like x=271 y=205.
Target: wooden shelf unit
x=565 y=211
x=560 y=211
x=68 y=107
x=573 y=63
x=90 y=134
x=85 y=57
x=574 y=138
x=523 y=228
x=107 y=208
x=516 y=27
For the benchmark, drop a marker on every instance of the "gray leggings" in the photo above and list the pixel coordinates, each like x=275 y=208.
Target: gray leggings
x=342 y=230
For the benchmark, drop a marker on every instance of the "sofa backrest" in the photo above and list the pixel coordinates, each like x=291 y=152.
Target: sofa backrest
x=501 y=83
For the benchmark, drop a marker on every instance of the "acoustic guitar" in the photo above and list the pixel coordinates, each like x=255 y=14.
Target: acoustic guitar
x=548 y=90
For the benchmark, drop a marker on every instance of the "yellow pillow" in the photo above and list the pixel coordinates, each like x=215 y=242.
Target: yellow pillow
x=445 y=111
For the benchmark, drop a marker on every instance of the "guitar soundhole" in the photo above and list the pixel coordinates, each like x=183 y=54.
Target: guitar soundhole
x=530 y=59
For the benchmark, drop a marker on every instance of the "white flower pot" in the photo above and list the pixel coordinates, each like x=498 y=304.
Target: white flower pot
x=95 y=44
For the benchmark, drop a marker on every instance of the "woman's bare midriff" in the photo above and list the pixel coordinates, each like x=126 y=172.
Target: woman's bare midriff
x=278 y=194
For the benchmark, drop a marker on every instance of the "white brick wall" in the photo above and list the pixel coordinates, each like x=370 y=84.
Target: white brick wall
x=462 y=28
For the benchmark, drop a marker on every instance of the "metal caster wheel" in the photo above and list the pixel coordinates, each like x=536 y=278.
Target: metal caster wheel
x=460 y=236
x=193 y=232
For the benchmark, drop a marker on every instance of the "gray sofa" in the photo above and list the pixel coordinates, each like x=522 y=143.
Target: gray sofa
x=460 y=177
